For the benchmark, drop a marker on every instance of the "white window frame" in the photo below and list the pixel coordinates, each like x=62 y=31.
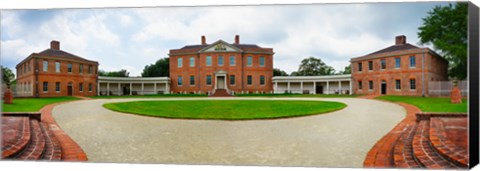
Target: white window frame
x=192 y=61
x=45 y=65
x=179 y=62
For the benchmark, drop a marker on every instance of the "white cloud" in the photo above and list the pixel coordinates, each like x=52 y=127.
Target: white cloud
x=132 y=38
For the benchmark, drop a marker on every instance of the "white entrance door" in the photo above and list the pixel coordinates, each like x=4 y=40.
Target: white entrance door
x=221 y=82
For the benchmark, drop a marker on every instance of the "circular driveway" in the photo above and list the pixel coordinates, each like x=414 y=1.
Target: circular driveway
x=337 y=139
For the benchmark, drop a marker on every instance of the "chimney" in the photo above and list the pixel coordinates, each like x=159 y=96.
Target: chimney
x=237 y=39
x=204 y=41
x=55 y=45
x=400 y=40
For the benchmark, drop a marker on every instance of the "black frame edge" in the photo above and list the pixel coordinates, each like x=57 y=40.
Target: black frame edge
x=473 y=56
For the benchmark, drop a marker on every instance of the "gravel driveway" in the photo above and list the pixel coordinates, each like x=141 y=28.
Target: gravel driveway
x=337 y=139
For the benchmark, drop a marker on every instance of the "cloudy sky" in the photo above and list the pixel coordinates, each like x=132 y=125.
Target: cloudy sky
x=130 y=38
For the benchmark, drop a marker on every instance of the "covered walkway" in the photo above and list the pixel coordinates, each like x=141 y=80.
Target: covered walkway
x=331 y=84
x=132 y=85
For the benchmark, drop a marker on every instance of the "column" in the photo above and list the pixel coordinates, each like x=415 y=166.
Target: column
x=328 y=88
x=155 y=88
x=119 y=92
x=130 y=89
x=288 y=87
x=314 y=87
x=276 y=88
x=108 y=88
x=350 y=90
x=215 y=86
x=167 y=88
x=142 y=89
x=301 y=87
x=98 y=89
x=339 y=87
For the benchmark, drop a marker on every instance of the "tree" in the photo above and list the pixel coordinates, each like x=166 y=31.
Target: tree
x=159 y=69
x=346 y=70
x=313 y=66
x=8 y=76
x=279 y=72
x=121 y=73
x=446 y=29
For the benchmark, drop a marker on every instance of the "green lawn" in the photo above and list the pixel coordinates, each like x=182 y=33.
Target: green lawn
x=32 y=104
x=297 y=95
x=226 y=109
x=150 y=96
x=429 y=104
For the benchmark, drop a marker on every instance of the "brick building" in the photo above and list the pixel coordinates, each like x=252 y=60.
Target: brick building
x=221 y=66
x=54 y=72
x=401 y=69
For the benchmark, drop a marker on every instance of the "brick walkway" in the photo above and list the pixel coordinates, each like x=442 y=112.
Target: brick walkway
x=420 y=141
x=37 y=136
x=71 y=151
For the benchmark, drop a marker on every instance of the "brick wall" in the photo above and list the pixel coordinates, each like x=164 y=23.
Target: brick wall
x=63 y=77
x=200 y=71
x=435 y=69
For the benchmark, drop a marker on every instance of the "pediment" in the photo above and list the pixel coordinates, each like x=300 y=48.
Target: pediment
x=220 y=46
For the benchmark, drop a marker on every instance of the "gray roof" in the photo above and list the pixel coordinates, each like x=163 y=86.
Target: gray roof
x=405 y=46
x=63 y=54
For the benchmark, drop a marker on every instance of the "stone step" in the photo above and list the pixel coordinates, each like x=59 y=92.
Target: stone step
x=53 y=150
x=15 y=135
x=403 y=152
x=221 y=93
x=444 y=146
x=35 y=148
x=423 y=151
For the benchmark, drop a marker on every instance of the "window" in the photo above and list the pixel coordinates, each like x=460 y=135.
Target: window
x=209 y=80
x=25 y=68
x=90 y=69
x=179 y=62
x=412 y=62
x=383 y=64
x=360 y=85
x=45 y=87
x=192 y=80
x=370 y=65
x=70 y=68
x=413 y=86
x=80 y=68
x=57 y=87
x=232 y=79
x=90 y=87
x=192 y=61
x=397 y=62
x=180 y=81
x=249 y=80
x=249 y=61
x=220 y=60
x=57 y=66
x=398 y=84
x=262 y=80
x=262 y=61
x=80 y=87
x=209 y=61
x=360 y=67
x=232 y=60
x=370 y=85
x=45 y=65
x=29 y=67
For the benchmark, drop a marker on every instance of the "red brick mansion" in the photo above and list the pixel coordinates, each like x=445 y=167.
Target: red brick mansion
x=401 y=69
x=233 y=67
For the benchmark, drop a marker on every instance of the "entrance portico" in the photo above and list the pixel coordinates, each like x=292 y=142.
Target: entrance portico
x=221 y=80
